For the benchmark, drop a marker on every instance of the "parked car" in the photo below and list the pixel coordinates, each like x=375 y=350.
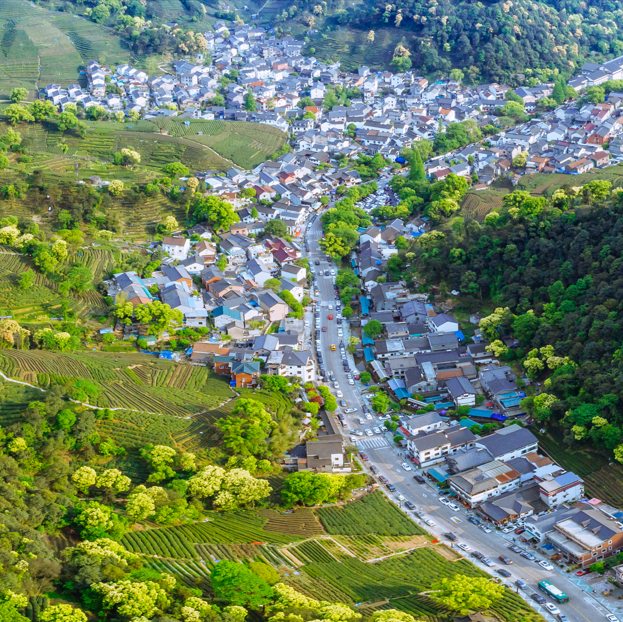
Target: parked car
x=391 y=488
x=563 y=618
x=519 y=530
x=409 y=505
x=464 y=547
x=470 y=519
x=546 y=565
x=405 y=466
x=522 y=585
x=383 y=479
x=552 y=608
x=612 y=618
x=487 y=562
x=429 y=522
x=515 y=549
x=528 y=556
x=374 y=469
x=476 y=554
x=484 y=528
x=503 y=572
x=507 y=529
x=581 y=573
x=454 y=507
x=450 y=536
x=505 y=560
x=419 y=479
x=539 y=599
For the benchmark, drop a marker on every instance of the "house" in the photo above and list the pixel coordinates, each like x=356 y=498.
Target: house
x=443 y=323
x=245 y=373
x=275 y=308
x=423 y=423
x=176 y=247
x=207 y=251
x=292 y=363
x=431 y=447
x=556 y=489
x=509 y=442
x=325 y=454
x=177 y=274
x=205 y=352
x=193 y=264
x=461 y=391
x=479 y=484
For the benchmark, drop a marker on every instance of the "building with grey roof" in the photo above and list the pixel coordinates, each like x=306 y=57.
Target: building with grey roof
x=510 y=442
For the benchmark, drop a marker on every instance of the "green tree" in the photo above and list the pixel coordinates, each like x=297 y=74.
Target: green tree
x=16 y=113
x=466 y=594
x=596 y=94
x=380 y=402
x=237 y=585
x=277 y=227
x=266 y=572
x=250 y=103
x=373 y=328
x=27 y=279
x=274 y=284
x=62 y=613
x=334 y=246
x=417 y=173
x=559 y=93
x=18 y=94
x=41 y=110
x=365 y=377
x=220 y=214
x=159 y=316
x=221 y=264
x=246 y=429
x=176 y=169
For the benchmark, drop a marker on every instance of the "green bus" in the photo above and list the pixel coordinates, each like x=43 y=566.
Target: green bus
x=553 y=592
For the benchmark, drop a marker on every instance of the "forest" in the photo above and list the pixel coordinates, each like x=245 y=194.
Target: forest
x=552 y=268
x=490 y=40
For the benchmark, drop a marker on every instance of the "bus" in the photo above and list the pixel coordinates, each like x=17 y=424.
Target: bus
x=553 y=592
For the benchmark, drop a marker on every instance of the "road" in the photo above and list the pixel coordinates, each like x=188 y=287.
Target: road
x=385 y=456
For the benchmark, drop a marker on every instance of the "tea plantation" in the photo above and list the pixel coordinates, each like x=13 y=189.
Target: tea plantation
x=305 y=548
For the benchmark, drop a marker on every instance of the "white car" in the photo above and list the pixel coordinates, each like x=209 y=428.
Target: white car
x=358 y=432
x=330 y=307
x=484 y=528
x=340 y=394
x=368 y=432
x=443 y=500
x=351 y=381
x=454 y=507
x=464 y=547
x=376 y=430
x=400 y=497
x=350 y=410
x=507 y=530
x=546 y=565
x=429 y=522
x=369 y=416
x=612 y=618
x=405 y=466
x=336 y=385
x=552 y=608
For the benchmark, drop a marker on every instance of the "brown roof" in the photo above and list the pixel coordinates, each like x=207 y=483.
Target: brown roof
x=537 y=460
x=174 y=241
x=210 y=348
x=449 y=373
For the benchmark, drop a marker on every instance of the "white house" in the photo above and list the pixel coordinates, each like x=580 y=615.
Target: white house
x=176 y=247
x=292 y=363
x=443 y=323
x=461 y=391
x=423 y=423
x=556 y=489
x=489 y=480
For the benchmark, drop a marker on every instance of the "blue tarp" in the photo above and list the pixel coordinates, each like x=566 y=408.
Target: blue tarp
x=440 y=477
x=459 y=335
x=402 y=394
x=481 y=413
x=367 y=341
x=467 y=423
x=166 y=354
x=442 y=405
x=353 y=263
x=368 y=354
x=365 y=306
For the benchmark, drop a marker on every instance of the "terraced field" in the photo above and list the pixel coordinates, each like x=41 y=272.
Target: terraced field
x=39 y=46
x=132 y=381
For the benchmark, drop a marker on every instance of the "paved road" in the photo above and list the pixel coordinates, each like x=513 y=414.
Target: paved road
x=383 y=454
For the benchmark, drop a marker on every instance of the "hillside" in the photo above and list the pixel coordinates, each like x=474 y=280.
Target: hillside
x=40 y=46
x=489 y=41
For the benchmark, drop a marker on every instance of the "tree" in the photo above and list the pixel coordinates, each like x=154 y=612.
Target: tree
x=392 y=615
x=347 y=312
x=84 y=478
x=277 y=227
x=168 y=225
x=373 y=328
x=140 y=506
x=237 y=585
x=417 y=173
x=27 y=279
x=559 y=93
x=220 y=214
x=127 y=157
x=266 y=572
x=596 y=94
x=62 y=613
x=67 y=121
x=159 y=316
x=41 y=110
x=66 y=419
x=250 y=104
x=334 y=246
x=16 y=113
x=465 y=594
x=132 y=599
x=18 y=94
x=246 y=429
x=221 y=264
x=365 y=377
x=254 y=212
x=515 y=110
x=370 y=36
x=116 y=187
x=4 y=162
x=176 y=169
x=380 y=402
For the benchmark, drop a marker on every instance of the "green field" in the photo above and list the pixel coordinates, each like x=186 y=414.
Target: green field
x=39 y=46
x=129 y=381
x=315 y=563
x=220 y=145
